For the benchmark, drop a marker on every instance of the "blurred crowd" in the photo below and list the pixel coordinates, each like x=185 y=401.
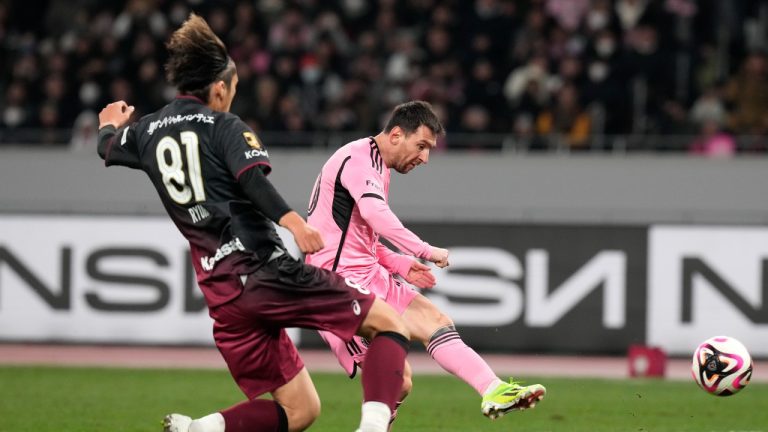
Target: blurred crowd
x=565 y=74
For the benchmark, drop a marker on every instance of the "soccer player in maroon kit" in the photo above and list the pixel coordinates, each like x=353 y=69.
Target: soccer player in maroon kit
x=210 y=171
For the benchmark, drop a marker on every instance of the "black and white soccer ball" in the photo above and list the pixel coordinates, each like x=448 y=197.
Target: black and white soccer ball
x=721 y=366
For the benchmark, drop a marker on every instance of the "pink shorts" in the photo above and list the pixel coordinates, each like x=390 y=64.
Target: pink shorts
x=396 y=293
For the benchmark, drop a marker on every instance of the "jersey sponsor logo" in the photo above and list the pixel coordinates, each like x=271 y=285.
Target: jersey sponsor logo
x=250 y=154
x=252 y=140
x=374 y=185
x=222 y=252
x=172 y=120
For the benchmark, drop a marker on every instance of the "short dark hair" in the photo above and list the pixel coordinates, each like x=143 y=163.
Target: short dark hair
x=197 y=58
x=411 y=115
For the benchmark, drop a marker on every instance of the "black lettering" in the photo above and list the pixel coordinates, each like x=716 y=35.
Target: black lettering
x=60 y=301
x=696 y=266
x=95 y=272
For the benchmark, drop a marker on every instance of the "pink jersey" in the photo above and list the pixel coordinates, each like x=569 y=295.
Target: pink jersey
x=349 y=206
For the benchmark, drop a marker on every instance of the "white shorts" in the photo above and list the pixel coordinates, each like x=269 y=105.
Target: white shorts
x=396 y=293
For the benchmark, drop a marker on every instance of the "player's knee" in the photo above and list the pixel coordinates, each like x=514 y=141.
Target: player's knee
x=442 y=320
x=395 y=324
x=382 y=318
x=300 y=419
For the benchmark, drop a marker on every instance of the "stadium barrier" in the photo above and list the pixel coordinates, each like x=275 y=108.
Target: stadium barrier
x=722 y=144
x=510 y=287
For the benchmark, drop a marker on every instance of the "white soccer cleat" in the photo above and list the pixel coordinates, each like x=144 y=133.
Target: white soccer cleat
x=176 y=423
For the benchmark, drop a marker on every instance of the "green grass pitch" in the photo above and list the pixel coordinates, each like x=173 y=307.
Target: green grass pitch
x=105 y=399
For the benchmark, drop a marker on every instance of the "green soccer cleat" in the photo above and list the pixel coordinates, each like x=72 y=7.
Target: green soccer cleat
x=511 y=396
x=176 y=423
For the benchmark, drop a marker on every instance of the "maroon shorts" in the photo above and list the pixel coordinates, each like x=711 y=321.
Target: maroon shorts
x=249 y=330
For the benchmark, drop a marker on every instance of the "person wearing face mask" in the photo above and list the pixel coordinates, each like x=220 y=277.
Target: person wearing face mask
x=600 y=17
x=603 y=88
x=605 y=55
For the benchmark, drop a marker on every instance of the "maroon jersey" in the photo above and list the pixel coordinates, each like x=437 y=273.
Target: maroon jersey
x=194 y=157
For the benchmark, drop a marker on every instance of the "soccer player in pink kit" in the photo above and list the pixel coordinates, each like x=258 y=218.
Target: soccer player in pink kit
x=349 y=206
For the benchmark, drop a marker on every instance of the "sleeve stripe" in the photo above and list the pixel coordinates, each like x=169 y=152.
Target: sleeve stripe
x=372 y=195
x=237 y=177
x=376 y=160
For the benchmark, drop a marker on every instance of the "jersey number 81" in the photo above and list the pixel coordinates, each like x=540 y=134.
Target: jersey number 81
x=171 y=165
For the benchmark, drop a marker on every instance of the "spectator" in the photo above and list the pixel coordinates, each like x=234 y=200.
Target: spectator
x=517 y=82
x=709 y=107
x=475 y=119
x=712 y=141
x=566 y=124
x=358 y=59
x=600 y=17
x=568 y=13
x=604 y=85
x=631 y=13
x=747 y=92
x=483 y=89
x=50 y=123
x=85 y=132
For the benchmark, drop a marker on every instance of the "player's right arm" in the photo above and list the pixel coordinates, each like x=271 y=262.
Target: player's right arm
x=117 y=140
x=365 y=185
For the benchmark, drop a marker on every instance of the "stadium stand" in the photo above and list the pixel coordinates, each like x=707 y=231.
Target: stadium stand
x=513 y=75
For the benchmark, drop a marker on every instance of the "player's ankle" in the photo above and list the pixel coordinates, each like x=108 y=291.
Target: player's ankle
x=210 y=423
x=375 y=417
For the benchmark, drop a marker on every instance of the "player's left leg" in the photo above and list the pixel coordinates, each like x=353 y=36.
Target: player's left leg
x=436 y=331
x=295 y=407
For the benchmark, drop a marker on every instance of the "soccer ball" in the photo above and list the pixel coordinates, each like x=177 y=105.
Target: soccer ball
x=721 y=366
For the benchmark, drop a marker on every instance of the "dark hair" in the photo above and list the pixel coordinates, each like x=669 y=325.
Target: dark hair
x=411 y=115
x=197 y=58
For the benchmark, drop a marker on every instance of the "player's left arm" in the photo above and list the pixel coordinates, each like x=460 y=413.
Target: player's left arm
x=409 y=268
x=117 y=139
x=392 y=261
x=248 y=161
